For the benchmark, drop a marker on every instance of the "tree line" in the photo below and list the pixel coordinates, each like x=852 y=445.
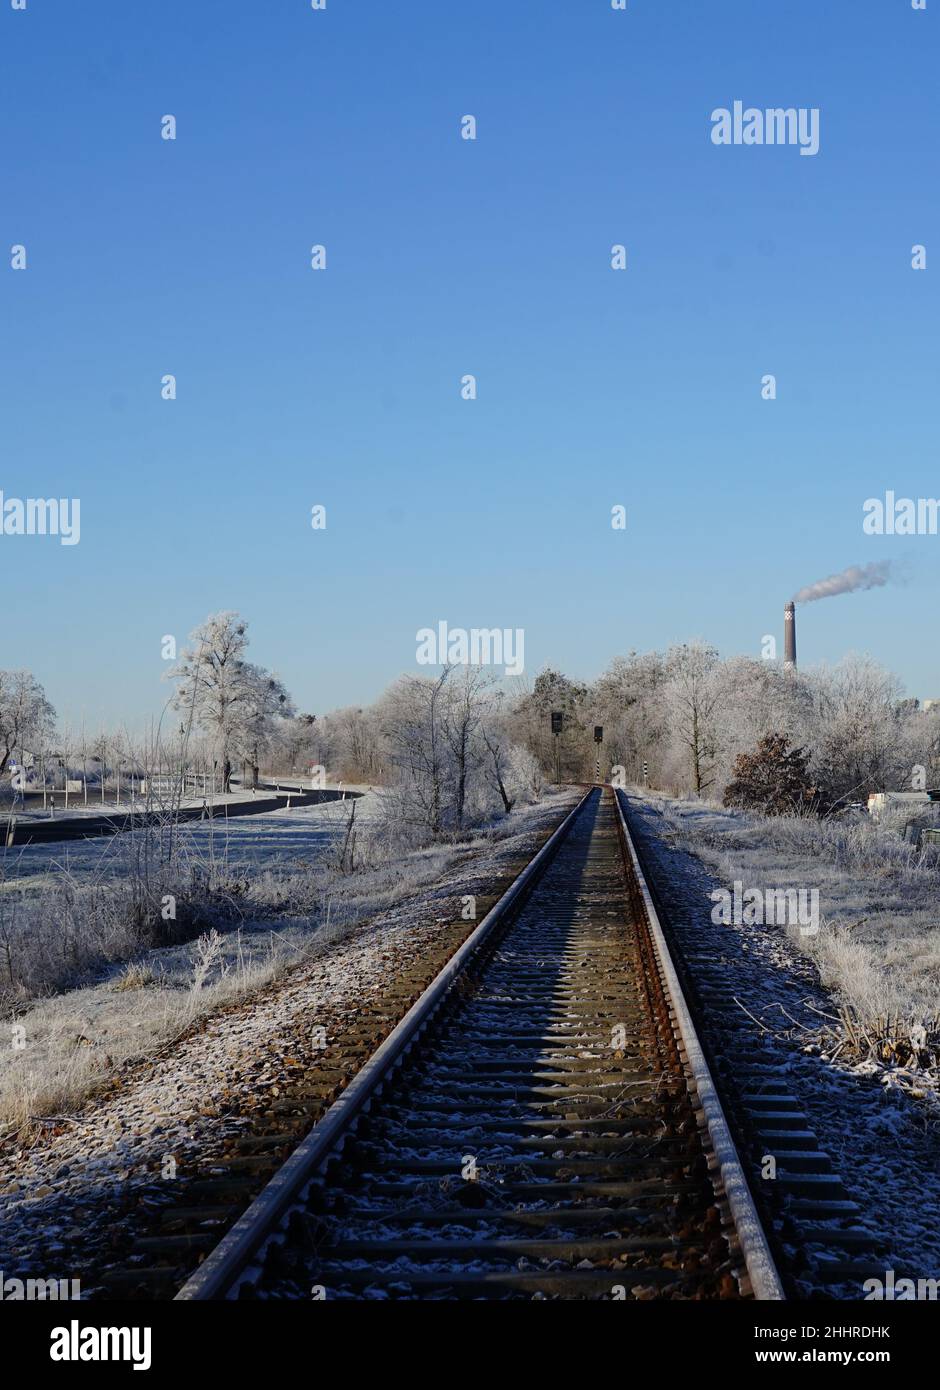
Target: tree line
x=453 y=748
x=690 y=717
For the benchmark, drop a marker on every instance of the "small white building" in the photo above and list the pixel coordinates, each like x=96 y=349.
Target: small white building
x=879 y=802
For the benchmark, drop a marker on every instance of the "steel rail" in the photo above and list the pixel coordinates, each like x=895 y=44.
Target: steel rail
x=761 y=1267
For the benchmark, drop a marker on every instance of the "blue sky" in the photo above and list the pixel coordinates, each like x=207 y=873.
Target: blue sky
x=447 y=257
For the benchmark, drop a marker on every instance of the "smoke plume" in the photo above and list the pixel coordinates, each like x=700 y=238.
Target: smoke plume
x=855 y=577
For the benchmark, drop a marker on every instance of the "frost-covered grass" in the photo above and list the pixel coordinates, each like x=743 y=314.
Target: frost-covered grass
x=67 y=930
x=858 y=846
x=107 y=988
x=71 y=1042
x=69 y=912
x=878 y=945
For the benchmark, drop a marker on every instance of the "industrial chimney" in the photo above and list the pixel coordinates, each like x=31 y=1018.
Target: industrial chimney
x=789 y=637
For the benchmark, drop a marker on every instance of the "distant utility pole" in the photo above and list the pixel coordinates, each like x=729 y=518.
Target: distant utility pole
x=557 y=722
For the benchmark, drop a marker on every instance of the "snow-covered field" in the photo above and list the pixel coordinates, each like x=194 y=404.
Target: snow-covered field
x=271 y=838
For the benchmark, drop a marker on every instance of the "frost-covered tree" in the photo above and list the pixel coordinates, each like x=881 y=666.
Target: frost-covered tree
x=920 y=748
x=859 y=737
x=693 y=698
x=267 y=705
x=463 y=710
x=26 y=716
x=531 y=724
x=629 y=702
x=499 y=769
x=526 y=777
x=223 y=694
x=352 y=744
x=758 y=698
x=447 y=751
x=412 y=713
x=298 y=740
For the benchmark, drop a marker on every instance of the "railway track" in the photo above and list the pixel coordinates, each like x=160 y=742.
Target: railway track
x=157 y=1230
x=541 y=1124
x=824 y=1245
